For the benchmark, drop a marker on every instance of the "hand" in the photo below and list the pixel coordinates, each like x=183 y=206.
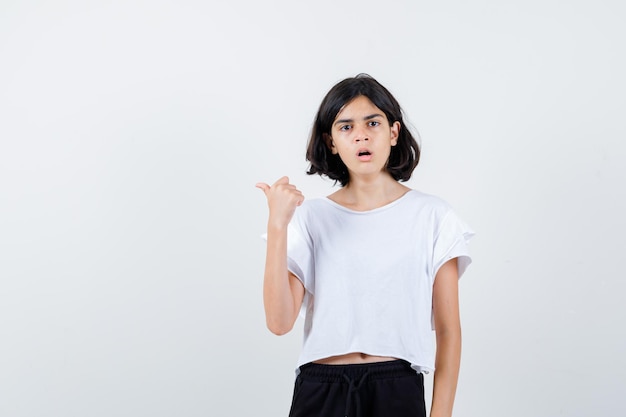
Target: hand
x=282 y=199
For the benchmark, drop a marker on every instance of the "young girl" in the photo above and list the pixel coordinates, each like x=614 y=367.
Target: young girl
x=374 y=267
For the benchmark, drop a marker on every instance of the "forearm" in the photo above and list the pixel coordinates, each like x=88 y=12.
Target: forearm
x=278 y=297
x=282 y=292
x=447 y=363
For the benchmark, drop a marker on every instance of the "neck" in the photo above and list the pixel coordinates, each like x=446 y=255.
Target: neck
x=364 y=194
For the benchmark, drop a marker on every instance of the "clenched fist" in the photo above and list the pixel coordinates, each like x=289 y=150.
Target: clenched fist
x=282 y=199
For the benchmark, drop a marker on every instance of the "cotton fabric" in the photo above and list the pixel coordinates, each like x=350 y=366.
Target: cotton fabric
x=369 y=275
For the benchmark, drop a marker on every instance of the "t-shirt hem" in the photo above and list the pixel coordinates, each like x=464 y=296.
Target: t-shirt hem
x=415 y=365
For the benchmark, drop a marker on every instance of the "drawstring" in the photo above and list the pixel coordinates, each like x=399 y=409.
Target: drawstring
x=352 y=388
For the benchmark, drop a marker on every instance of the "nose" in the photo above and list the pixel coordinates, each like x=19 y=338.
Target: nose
x=360 y=135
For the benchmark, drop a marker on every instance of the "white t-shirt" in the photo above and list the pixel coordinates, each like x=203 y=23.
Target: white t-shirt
x=369 y=275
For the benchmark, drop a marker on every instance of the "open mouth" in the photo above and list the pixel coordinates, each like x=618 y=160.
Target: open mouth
x=364 y=155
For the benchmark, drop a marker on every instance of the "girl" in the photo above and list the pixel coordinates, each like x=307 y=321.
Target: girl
x=373 y=267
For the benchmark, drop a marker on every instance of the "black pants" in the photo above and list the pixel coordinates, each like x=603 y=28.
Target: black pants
x=382 y=389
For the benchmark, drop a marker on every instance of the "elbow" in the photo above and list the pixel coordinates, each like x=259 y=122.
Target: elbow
x=279 y=332
x=279 y=329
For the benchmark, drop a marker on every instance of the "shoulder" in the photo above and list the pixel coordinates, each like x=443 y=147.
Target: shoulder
x=428 y=203
x=313 y=205
x=309 y=210
x=312 y=217
x=442 y=217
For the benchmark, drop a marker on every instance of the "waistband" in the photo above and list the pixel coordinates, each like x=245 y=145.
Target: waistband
x=375 y=370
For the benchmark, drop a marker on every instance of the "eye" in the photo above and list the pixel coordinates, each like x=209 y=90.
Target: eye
x=345 y=127
x=373 y=123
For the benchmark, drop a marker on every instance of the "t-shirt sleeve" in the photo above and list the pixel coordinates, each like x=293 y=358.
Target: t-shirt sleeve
x=451 y=242
x=300 y=253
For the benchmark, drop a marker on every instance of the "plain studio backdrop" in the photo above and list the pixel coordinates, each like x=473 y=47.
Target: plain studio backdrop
x=131 y=137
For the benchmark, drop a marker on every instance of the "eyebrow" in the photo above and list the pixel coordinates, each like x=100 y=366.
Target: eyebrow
x=371 y=116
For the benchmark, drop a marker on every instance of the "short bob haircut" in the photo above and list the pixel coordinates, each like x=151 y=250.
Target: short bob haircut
x=404 y=155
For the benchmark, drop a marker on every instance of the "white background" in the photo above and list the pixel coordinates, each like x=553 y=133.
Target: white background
x=131 y=137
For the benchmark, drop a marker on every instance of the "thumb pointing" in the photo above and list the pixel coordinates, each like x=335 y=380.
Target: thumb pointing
x=263 y=186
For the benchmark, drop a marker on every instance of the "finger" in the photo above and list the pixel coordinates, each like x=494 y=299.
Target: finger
x=282 y=180
x=263 y=186
x=285 y=187
x=300 y=199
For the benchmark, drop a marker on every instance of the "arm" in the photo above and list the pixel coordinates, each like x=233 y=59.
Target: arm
x=448 y=333
x=282 y=291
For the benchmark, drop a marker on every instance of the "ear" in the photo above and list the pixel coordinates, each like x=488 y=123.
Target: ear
x=329 y=142
x=395 y=132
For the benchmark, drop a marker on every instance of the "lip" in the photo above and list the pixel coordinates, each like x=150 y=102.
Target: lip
x=364 y=158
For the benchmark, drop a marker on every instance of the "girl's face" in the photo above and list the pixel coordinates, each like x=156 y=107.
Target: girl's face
x=363 y=138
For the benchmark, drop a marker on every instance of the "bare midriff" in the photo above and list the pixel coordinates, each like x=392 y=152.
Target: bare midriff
x=353 y=358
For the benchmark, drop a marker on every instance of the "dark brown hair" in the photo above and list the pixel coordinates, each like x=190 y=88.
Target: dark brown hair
x=404 y=156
